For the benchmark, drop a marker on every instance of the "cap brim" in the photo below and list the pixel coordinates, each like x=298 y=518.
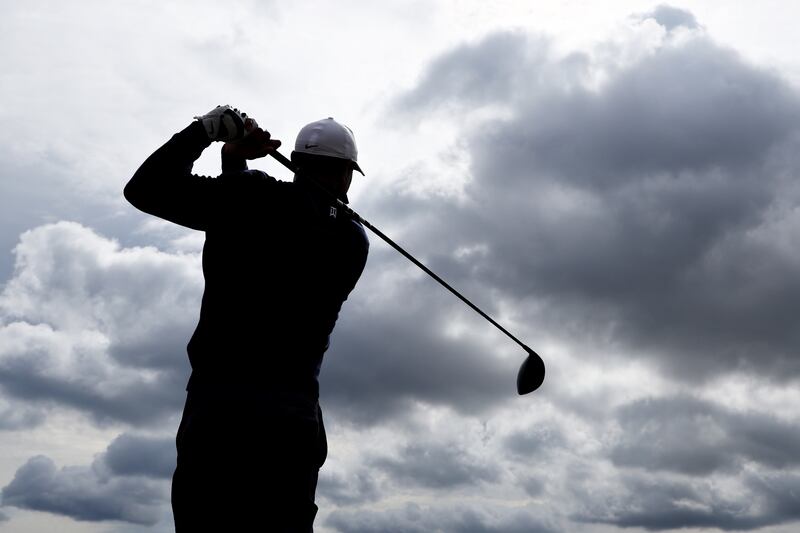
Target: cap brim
x=356 y=167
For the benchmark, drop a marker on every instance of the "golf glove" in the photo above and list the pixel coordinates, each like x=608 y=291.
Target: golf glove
x=226 y=123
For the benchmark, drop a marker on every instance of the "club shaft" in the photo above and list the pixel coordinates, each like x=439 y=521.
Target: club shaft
x=344 y=207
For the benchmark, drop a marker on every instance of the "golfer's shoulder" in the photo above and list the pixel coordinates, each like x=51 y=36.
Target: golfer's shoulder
x=248 y=181
x=250 y=177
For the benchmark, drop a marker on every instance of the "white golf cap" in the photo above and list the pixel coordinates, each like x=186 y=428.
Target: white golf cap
x=329 y=138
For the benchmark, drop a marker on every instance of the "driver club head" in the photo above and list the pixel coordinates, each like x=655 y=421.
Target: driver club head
x=531 y=373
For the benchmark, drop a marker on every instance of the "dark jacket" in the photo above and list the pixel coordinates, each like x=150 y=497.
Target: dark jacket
x=277 y=265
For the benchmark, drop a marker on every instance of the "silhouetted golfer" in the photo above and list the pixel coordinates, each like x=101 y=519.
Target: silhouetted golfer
x=279 y=261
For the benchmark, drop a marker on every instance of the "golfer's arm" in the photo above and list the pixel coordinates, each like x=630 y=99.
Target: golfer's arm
x=164 y=185
x=232 y=164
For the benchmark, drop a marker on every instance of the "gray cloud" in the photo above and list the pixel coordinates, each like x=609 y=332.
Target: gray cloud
x=683 y=462
x=780 y=494
x=347 y=489
x=655 y=205
x=654 y=210
x=84 y=493
x=435 y=519
x=438 y=466
x=127 y=482
x=17 y=416
x=489 y=74
x=694 y=437
x=690 y=107
x=663 y=505
x=534 y=441
x=130 y=455
x=533 y=486
x=138 y=401
x=672 y=17
x=379 y=362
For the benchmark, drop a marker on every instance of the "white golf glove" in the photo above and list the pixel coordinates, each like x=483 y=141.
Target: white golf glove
x=225 y=123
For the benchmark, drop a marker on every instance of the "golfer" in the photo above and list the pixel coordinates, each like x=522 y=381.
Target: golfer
x=279 y=260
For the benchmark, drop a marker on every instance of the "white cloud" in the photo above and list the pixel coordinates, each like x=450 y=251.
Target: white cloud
x=100 y=328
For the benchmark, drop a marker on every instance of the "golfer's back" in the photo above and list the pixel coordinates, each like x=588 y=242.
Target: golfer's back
x=278 y=264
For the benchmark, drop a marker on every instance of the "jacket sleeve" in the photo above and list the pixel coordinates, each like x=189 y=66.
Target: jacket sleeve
x=164 y=185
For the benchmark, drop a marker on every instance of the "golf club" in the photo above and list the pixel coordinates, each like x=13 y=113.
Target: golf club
x=531 y=373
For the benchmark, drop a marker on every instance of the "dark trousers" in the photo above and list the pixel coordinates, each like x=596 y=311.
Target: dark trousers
x=245 y=463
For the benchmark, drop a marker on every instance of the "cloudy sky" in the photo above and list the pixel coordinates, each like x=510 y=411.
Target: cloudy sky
x=614 y=182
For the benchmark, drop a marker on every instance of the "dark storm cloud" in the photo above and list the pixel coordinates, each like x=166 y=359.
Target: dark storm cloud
x=130 y=455
x=380 y=362
x=534 y=441
x=15 y=417
x=127 y=482
x=414 y=518
x=696 y=437
x=691 y=107
x=490 y=74
x=655 y=205
x=137 y=402
x=84 y=493
x=347 y=489
x=533 y=486
x=781 y=496
x=684 y=462
x=666 y=505
x=162 y=348
x=436 y=466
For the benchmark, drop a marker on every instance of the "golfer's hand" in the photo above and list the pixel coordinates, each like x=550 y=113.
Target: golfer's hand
x=256 y=143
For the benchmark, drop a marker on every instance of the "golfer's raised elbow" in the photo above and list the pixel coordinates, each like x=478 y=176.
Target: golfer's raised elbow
x=137 y=192
x=131 y=193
